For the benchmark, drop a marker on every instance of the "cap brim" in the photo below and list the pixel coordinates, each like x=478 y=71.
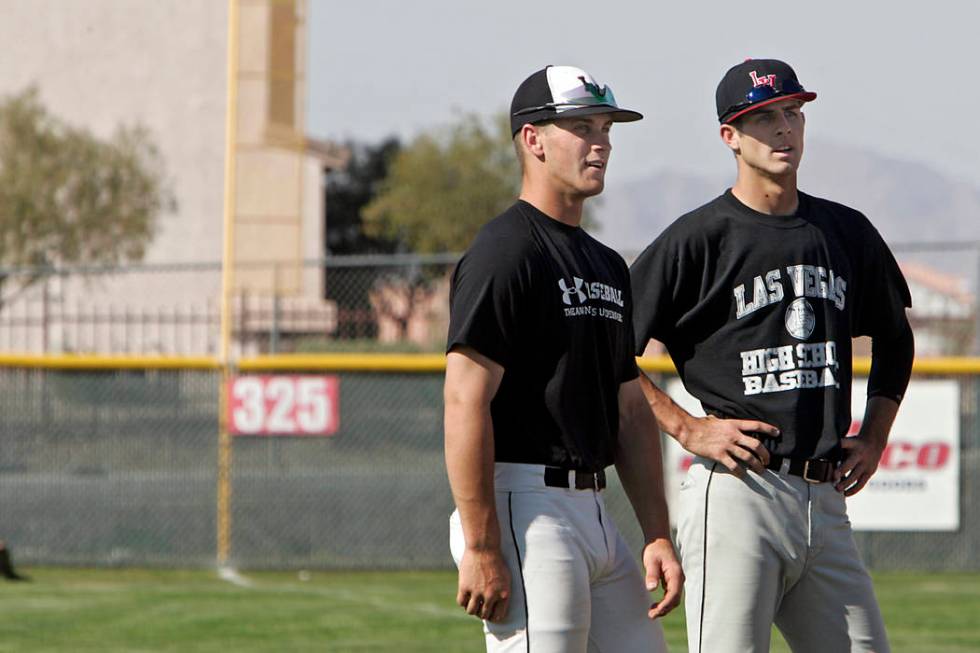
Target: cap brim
x=806 y=96
x=617 y=114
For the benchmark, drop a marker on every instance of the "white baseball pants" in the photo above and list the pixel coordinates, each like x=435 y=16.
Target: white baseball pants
x=772 y=549
x=576 y=587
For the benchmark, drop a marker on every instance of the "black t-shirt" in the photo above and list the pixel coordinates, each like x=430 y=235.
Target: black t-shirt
x=758 y=311
x=551 y=305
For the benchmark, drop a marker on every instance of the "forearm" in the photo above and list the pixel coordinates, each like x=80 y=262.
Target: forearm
x=732 y=442
x=879 y=415
x=642 y=478
x=469 y=462
x=471 y=383
x=671 y=418
x=639 y=464
x=863 y=453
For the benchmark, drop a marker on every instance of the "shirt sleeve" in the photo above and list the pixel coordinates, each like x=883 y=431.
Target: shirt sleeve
x=891 y=365
x=628 y=367
x=884 y=293
x=655 y=289
x=486 y=301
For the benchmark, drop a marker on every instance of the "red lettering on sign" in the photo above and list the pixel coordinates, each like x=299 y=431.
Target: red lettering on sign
x=931 y=456
x=934 y=455
x=898 y=455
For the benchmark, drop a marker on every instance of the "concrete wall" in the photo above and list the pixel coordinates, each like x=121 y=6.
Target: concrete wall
x=102 y=63
x=99 y=64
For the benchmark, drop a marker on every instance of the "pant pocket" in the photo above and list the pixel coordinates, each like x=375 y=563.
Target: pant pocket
x=690 y=511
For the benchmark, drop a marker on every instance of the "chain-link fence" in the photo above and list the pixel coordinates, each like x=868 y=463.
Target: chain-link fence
x=109 y=467
x=352 y=303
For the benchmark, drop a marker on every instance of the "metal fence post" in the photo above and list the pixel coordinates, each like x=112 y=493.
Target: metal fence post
x=44 y=315
x=976 y=302
x=274 y=334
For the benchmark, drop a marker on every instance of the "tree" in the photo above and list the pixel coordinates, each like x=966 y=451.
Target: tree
x=68 y=197
x=445 y=185
x=439 y=191
x=349 y=190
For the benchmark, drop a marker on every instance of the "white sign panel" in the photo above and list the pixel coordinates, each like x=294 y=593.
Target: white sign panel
x=916 y=487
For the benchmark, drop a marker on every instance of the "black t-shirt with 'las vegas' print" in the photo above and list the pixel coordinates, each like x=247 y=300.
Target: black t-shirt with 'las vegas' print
x=758 y=312
x=551 y=305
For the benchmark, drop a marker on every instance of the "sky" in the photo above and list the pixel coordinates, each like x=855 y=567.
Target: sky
x=897 y=78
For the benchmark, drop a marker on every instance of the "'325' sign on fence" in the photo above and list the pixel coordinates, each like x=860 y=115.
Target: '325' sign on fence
x=283 y=405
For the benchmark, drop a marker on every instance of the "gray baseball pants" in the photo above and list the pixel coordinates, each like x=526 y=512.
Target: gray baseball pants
x=575 y=585
x=772 y=549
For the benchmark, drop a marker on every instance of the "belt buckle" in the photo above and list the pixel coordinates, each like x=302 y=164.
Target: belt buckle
x=589 y=480
x=806 y=471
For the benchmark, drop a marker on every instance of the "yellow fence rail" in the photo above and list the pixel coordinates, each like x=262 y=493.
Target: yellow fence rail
x=420 y=363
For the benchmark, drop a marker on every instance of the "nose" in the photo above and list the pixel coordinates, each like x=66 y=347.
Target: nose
x=602 y=142
x=783 y=126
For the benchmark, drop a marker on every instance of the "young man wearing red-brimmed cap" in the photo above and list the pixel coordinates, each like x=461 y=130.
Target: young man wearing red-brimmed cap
x=542 y=395
x=757 y=296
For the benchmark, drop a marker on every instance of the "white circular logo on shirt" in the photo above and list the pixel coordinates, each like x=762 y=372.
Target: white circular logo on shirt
x=800 y=319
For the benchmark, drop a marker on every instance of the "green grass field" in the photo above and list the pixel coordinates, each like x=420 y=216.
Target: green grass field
x=141 y=610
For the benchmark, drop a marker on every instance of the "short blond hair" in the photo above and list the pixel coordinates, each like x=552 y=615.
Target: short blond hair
x=519 y=150
x=519 y=143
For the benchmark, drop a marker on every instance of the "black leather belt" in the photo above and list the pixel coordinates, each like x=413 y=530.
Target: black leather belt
x=557 y=477
x=811 y=470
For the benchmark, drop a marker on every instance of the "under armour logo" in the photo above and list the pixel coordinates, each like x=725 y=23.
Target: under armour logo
x=568 y=292
x=765 y=80
x=593 y=89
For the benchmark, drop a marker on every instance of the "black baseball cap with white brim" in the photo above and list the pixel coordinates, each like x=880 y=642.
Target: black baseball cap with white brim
x=755 y=83
x=563 y=92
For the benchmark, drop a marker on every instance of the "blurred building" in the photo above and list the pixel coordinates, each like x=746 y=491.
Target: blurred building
x=943 y=311
x=942 y=314
x=100 y=64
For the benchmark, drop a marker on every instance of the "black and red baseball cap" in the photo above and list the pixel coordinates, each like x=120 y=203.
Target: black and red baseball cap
x=755 y=83
x=562 y=92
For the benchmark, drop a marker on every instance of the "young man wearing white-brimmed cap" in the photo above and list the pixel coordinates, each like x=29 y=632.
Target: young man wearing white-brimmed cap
x=542 y=395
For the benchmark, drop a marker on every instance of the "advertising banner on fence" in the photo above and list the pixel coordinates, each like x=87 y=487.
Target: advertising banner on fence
x=285 y=404
x=917 y=485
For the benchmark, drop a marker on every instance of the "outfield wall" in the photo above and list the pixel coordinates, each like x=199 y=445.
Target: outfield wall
x=114 y=461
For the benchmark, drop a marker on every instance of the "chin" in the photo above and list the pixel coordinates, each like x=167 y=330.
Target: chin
x=783 y=169
x=788 y=164
x=593 y=184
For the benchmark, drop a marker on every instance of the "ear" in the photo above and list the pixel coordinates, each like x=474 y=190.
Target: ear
x=533 y=142
x=730 y=137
